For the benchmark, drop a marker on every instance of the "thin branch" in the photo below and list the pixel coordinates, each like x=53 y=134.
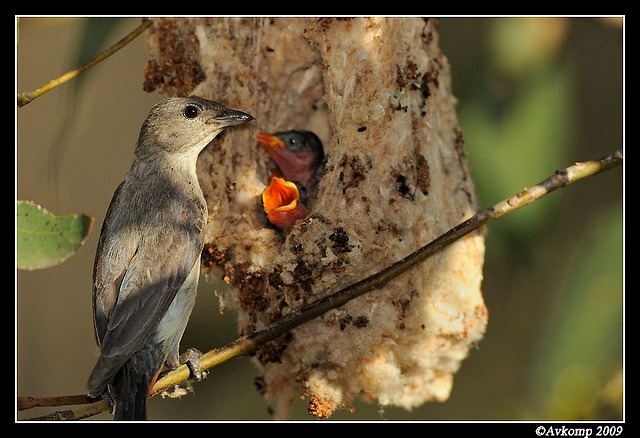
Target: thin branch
x=29 y=402
x=249 y=343
x=90 y=410
x=25 y=98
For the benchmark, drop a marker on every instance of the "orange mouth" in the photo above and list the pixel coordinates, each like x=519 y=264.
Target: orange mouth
x=281 y=203
x=280 y=195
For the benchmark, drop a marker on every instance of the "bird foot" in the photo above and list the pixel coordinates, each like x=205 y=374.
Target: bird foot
x=104 y=395
x=191 y=358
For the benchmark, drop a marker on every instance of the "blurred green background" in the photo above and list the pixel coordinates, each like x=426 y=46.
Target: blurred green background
x=535 y=94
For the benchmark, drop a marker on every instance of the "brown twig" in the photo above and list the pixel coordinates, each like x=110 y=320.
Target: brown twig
x=29 y=402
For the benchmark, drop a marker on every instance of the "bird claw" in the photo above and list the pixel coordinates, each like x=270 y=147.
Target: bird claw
x=104 y=395
x=191 y=358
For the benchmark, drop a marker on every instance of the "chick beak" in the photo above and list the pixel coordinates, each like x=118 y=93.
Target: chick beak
x=280 y=195
x=269 y=141
x=281 y=203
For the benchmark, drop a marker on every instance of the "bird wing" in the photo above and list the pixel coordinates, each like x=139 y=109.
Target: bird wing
x=137 y=274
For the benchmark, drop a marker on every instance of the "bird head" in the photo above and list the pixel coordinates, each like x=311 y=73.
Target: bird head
x=298 y=154
x=185 y=125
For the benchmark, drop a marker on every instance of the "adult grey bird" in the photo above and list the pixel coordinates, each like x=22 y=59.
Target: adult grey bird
x=148 y=257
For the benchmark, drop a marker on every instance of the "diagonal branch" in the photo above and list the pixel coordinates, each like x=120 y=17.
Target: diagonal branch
x=247 y=344
x=26 y=97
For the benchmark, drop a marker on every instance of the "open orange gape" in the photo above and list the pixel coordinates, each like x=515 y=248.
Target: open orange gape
x=282 y=204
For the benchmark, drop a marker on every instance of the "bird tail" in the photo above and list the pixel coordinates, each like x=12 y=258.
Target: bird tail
x=128 y=383
x=128 y=387
x=133 y=406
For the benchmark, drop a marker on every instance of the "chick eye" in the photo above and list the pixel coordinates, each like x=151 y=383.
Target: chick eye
x=191 y=111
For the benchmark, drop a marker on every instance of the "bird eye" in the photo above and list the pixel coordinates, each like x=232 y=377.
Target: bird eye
x=191 y=111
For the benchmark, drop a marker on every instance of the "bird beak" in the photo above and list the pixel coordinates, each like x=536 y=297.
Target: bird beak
x=281 y=202
x=280 y=195
x=230 y=117
x=269 y=141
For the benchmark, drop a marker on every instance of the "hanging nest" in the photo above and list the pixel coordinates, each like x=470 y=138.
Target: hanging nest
x=377 y=92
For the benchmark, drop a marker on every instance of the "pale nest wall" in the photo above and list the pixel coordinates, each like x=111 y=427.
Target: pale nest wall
x=378 y=93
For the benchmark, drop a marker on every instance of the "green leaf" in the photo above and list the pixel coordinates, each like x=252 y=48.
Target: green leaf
x=44 y=239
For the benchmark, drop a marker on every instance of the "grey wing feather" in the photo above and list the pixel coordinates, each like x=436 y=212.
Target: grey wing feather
x=136 y=281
